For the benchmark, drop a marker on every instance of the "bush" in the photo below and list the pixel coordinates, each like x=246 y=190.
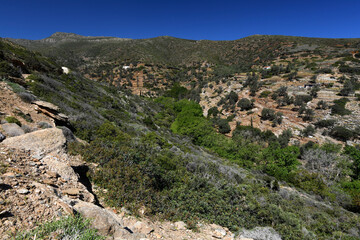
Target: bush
x=11 y=119
x=268 y=114
x=245 y=104
x=264 y=94
x=341 y=133
x=322 y=105
x=302 y=99
x=308 y=131
x=339 y=107
x=213 y=112
x=280 y=162
x=324 y=70
x=44 y=125
x=66 y=228
x=326 y=123
x=224 y=126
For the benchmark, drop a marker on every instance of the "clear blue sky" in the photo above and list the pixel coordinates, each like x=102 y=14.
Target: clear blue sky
x=214 y=20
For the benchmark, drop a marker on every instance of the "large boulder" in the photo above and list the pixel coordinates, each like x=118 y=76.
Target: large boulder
x=41 y=142
x=12 y=129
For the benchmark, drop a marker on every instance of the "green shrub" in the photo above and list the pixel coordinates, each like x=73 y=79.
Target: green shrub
x=264 y=94
x=268 y=114
x=341 y=133
x=245 y=104
x=11 y=119
x=66 y=228
x=339 y=107
x=326 y=123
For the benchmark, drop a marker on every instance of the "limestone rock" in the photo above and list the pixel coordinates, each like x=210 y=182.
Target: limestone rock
x=12 y=129
x=42 y=141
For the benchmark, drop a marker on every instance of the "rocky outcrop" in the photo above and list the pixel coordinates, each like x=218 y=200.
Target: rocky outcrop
x=43 y=182
x=52 y=111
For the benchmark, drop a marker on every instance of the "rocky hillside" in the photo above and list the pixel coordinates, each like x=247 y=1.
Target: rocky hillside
x=157 y=168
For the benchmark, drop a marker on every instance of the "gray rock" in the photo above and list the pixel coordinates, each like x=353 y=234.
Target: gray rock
x=12 y=129
x=260 y=233
x=2 y=137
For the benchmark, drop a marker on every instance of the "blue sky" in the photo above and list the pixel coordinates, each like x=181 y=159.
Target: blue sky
x=213 y=20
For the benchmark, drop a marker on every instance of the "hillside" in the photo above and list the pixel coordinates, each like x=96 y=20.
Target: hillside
x=157 y=167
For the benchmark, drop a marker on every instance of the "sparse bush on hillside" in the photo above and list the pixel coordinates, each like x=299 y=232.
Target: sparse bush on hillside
x=302 y=99
x=326 y=123
x=341 y=133
x=324 y=70
x=308 y=131
x=322 y=105
x=264 y=94
x=268 y=114
x=245 y=104
x=339 y=107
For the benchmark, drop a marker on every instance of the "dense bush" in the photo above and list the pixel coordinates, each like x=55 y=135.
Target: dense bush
x=245 y=104
x=268 y=114
x=341 y=133
x=325 y=123
x=339 y=107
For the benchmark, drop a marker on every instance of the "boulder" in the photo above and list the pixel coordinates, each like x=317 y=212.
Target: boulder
x=12 y=129
x=42 y=141
x=106 y=222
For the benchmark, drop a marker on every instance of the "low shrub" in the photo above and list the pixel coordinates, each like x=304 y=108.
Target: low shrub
x=11 y=119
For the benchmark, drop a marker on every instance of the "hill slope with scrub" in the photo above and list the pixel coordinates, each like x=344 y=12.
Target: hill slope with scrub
x=161 y=159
